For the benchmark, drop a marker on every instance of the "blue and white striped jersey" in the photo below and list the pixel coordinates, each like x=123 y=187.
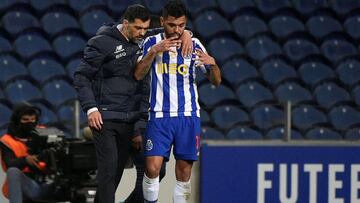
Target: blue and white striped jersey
x=173 y=91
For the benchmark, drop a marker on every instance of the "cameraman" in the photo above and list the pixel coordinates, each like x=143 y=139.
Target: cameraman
x=22 y=168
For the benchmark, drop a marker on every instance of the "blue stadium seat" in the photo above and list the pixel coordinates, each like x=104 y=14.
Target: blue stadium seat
x=200 y=77
x=352 y=26
x=15 y=22
x=353 y=134
x=21 y=90
x=336 y=49
x=58 y=91
x=207 y=92
x=5 y=45
x=6 y=4
x=322 y=133
x=2 y=94
x=11 y=68
x=329 y=94
x=29 y=44
x=196 y=7
x=67 y=45
x=269 y=7
x=262 y=47
x=294 y=92
x=343 y=7
x=305 y=117
x=298 y=49
x=277 y=70
x=66 y=114
x=211 y=134
x=306 y=7
x=71 y=66
x=210 y=23
x=344 y=116
x=48 y=116
x=118 y=7
x=267 y=116
x=55 y=22
x=284 y=25
x=278 y=133
x=313 y=72
x=247 y=25
x=224 y=48
x=238 y=70
x=5 y=113
x=227 y=116
x=356 y=94
x=349 y=72
x=252 y=93
x=155 y=7
x=205 y=117
x=92 y=20
x=321 y=25
x=244 y=133
x=231 y=7
x=42 y=6
x=81 y=5
x=42 y=69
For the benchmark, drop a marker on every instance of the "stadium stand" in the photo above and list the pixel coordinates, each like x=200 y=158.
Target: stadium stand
x=244 y=133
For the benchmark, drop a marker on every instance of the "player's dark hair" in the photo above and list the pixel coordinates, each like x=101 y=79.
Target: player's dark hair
x=174 y=8
x=136 y=11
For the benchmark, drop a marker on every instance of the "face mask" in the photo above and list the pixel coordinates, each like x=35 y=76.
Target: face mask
x=25 y=129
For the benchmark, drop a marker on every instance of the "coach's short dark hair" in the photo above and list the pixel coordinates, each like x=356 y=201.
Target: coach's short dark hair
x=136 y=11
x=175 y=8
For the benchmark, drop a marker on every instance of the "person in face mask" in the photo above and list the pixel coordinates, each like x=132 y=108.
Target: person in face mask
x=22 y=168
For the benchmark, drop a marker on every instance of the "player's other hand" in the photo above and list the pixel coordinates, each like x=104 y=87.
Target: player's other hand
x=203 y=58
x=169 y=44
x=95 y=120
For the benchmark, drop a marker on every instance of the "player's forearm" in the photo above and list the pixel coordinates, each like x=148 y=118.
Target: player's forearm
x=215 y=75
x=143 y=67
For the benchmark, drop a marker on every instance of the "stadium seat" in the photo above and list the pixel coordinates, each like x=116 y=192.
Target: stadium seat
x=305 y=117
x=5 y=113
x=344 y=116
x=231 y=7
x=2 y=94
x=262 y=47
x=244 y=133
x=227 y=116
x=297 y=49
x=224 y=48
x=15 y=22
x=343 y=7
x=21 y=90
x=198 y=6
x=58 y=91
x=356 y=94
x=5 y=45
x=81 y=5
x=306 y=7
x=200 y=77
x=66 y=114
x=209 y=23
x=71 y=67
x=336 y=49
x=92 y=20
x=8 y=4
x=11 y=68
x=42 y=6
x=209 y=133
x=349 y=72
x=118 y=7
x=314 y=72
x=321 y=25
x=284 y=25
x=55 y=22
x=279 y=131
x=329 y=94
x=248 y=25
x=155 y=7
x=29 y=44
x=237 y=70
x=353 y=134
x=277 y=70
x=48 y=116
x=267 y=116
x=205 y=117
x=322 y=133
x=252 y=93
x=294 y=92
x=207 y=92
x=269 y=7
x=352 y=26
x=67 y=45
x=42 y=69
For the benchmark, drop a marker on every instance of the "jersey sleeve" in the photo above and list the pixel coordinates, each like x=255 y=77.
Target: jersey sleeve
x=148 y=43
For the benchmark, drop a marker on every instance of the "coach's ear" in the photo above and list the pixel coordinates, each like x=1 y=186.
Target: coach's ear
x=162 y=21
x=125 y=24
